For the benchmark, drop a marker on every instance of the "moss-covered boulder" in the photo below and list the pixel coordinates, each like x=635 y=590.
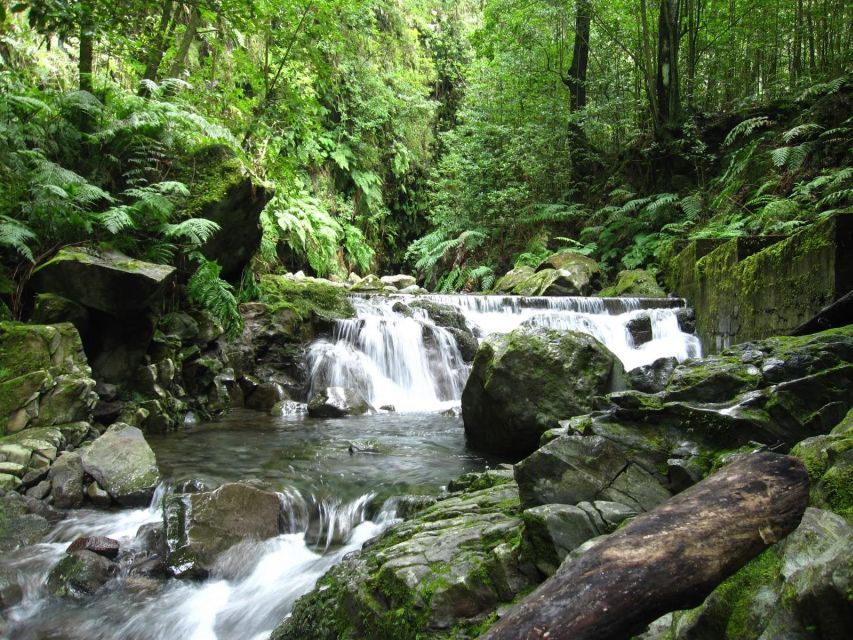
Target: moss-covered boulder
x=44 y=377
x=442 y=574
x=798 y=588
x=523 y=382
x=519 y=282
x=308 y=298
x=575 y=275
x=635 y=283
x=370 y=283
x=50 y=308
x=223 y=190
x=103 y=279
x=80 y=574
x=451 y=319
x=200 y=526
x=123 y=464
x=829 y=460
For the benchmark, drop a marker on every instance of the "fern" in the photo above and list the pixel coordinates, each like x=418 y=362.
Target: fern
x=746 y=128
x=801 y=131
x=16 y=235
x=206 y=289
x=195 y=231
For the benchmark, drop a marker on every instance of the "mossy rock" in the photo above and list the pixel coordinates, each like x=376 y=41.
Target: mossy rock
x=523 y=382
x=123 y=464
x=574 y=274
x=103 y=279
x=636 y=283
x=829 y=461
x=223 y=190
x=308 y=298
x=442 y=574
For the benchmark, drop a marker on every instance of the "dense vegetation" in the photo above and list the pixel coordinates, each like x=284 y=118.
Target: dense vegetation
x=452 y=138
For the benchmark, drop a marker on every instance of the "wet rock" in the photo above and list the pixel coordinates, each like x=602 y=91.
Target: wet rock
x=19 y=525
x=635 y=283
x=465 y=342
x=80 y=574
x=200 y=526
x=551 y=531
x=336 y=402
x=101 y=545
x=53 y=309
x=640 y=329
x=265 y=396
x=98 y=497
x=409 y=506
x=443 y=315
x=66 y=480
x=686 y=320
x=523 y=382
x=447 y=568
x=652 y=378
x=123 y=464
x=11 y=592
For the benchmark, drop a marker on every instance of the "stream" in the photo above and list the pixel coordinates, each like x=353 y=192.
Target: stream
x=337 y=478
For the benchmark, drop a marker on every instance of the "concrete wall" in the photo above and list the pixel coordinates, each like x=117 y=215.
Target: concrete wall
x=745 y=290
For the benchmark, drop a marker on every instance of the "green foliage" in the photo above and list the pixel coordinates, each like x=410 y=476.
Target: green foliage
x=206 y=289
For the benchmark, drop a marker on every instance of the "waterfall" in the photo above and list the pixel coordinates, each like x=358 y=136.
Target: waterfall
x=396 y=356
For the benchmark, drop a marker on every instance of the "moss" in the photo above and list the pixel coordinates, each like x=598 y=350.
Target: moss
x=636 y=283
x=735 y=595
x=309 y=299
x=209 y=175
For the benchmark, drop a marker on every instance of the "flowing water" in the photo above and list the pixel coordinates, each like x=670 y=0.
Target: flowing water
x=336 y=477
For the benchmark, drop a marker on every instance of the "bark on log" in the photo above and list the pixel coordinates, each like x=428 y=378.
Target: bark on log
x=670 y=558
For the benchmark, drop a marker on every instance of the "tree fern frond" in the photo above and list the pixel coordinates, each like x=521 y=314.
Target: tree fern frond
x=209 y=291
x=16 y=235
x=801 y=131
x=195 y=231
x=746 y=128
x=117 y=219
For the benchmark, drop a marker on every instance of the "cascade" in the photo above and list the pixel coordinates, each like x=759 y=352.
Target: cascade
x=395 y=355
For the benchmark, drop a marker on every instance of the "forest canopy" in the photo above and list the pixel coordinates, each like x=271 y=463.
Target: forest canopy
x=454 y=139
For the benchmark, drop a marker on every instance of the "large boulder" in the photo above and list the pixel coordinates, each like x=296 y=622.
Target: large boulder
x=336 y=402
x=66 y=480
x=200 y=526
x=105 y=280
x=519 y=281
x=572 y=469
x=399 y=282
x=437 y=575
x=45 y=378
x=575 y=275
x=224 y=191
x=636 y=283
x=123 y=464
x=523 y=382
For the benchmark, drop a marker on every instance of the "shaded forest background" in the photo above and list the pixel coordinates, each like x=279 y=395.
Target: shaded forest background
x=455 y=139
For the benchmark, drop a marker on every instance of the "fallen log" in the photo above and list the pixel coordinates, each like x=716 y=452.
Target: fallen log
x=667 y=559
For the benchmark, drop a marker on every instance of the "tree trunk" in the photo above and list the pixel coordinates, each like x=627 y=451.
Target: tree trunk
x=669 y=96
x=158 y=45
x=576 y=78
x=180 y=60
x=87 y=49
x=670 y=558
